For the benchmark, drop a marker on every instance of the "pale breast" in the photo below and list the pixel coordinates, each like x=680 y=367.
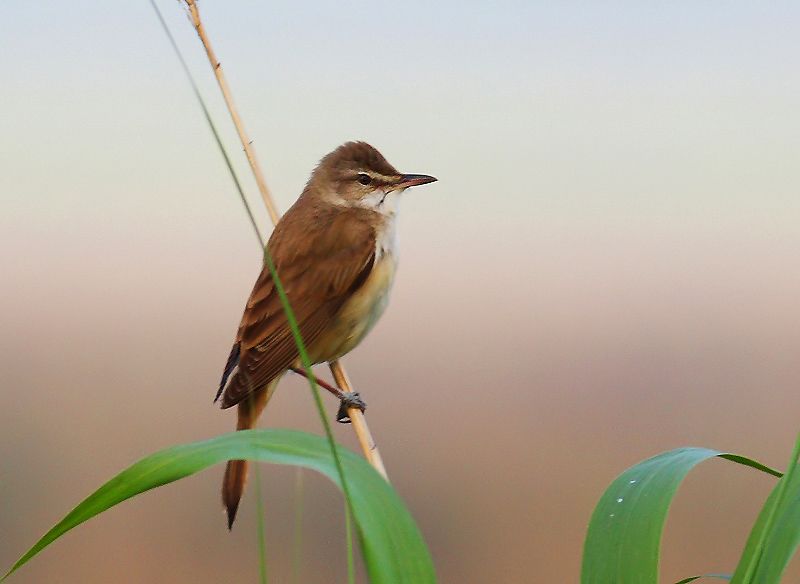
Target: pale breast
x=359 y=314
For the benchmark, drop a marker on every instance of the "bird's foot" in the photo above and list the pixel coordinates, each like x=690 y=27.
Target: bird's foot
x=350 y=399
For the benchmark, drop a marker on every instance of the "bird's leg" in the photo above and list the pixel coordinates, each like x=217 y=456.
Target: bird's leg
x=321 y=382
x=349 y=399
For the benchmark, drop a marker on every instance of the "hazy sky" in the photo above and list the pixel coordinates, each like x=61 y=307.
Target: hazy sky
x=607 y=267
x=566 y=109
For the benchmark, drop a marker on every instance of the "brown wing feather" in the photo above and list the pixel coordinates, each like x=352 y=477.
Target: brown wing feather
x=322 y=256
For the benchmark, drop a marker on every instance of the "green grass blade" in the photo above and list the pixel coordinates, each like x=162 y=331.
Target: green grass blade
x=351 y=562
x=261 y=529
x=297 y=539
x=623 y=542
x=209 y=121
x=392 y=546
x=776 y=534
x=293 y=325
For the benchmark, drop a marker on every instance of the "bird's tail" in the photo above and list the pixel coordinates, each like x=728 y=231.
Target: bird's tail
x=236 y=470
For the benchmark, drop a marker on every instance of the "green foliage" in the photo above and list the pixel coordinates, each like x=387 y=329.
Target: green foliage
x=776 y=534
x=624 y=537
x=393 y=549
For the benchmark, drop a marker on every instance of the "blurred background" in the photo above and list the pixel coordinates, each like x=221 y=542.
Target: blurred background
x=606 y=269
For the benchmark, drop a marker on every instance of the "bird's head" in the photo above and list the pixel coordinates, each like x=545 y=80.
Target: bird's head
x=357 y=175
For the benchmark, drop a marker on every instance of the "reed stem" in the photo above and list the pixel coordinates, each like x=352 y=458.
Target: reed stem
x=359 y=422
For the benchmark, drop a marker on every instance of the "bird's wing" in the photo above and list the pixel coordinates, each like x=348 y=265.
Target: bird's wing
x=319 y=273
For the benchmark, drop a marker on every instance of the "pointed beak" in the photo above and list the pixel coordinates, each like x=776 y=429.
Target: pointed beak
x=412 y=180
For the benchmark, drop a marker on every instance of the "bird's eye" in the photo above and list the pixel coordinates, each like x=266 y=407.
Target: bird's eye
x=364 y=179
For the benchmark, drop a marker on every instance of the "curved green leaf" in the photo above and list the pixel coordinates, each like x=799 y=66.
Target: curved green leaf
x=776 y=534
x=393 y=548
x=623 y=542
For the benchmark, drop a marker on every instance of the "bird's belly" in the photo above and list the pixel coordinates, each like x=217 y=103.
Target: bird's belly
x=358 y=315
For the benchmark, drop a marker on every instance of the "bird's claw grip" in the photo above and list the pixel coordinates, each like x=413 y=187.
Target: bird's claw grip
x=350 y=399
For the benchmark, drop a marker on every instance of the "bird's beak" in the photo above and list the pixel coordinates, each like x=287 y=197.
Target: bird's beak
x=412 y=180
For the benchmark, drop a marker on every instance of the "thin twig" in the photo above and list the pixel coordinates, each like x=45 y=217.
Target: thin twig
x=359 y=422
x=237 y=121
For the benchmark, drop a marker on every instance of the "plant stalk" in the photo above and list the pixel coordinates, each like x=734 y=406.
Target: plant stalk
x=359 y=422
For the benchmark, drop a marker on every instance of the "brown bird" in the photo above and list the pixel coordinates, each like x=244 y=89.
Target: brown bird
x=335 y=254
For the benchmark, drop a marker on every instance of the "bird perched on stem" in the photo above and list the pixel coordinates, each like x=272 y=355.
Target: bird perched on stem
x=335 y=254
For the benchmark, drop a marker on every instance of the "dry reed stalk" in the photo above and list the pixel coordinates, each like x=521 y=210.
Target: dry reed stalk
x=359 y=421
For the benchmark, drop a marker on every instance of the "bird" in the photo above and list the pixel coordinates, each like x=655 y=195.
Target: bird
x=335 y=254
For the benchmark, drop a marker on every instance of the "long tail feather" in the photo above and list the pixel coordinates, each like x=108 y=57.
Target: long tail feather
x=233 y=487
x=236 y=470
